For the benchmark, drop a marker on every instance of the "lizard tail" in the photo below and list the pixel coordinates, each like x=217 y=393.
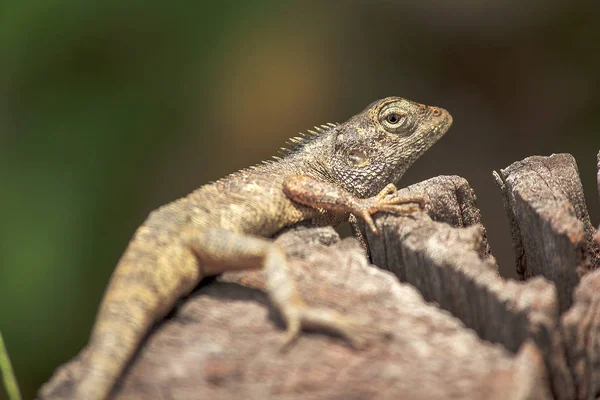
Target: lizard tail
x=147 y=282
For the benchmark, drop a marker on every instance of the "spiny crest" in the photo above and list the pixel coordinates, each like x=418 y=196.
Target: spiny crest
x=293 y=145
x=297 y=142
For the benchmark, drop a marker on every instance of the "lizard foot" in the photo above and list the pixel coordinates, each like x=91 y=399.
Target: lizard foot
x=311 y=192
x=387 y=200
x=298 y=316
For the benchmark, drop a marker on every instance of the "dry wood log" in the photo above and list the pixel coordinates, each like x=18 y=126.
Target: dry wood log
x=551 y=230
x=581 y=328
x=553 y=237
x=222 y=343
x=451 y=199
x=537 y=339
x=450 y=266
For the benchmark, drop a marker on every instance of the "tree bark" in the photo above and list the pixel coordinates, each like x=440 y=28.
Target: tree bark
x=451 y=267
x=442 y=323
x=222 y=343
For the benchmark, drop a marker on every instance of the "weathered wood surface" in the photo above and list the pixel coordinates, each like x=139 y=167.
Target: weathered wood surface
x=581 y=328
x=451 y=199
x=553 y=237
x=551 y=230
x=538 y=338
x=222 y=343
x=450 y=266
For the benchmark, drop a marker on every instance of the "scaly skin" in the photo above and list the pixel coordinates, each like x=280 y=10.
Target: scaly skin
x=341 y=169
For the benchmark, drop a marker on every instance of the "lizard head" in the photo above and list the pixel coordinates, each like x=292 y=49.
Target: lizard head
x=378 y=145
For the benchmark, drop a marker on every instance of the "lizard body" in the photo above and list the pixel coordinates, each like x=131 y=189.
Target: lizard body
x=340 y=170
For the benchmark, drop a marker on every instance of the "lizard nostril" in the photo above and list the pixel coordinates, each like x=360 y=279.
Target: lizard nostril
x=436 y=111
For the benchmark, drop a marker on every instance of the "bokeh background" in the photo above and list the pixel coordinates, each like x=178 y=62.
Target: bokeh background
x=110 y=109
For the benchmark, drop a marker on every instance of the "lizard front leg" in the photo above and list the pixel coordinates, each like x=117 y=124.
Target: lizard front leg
x=221 y=251
x=314 y=193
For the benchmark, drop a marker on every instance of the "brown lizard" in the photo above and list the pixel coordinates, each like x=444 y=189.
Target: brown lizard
x=323 y=178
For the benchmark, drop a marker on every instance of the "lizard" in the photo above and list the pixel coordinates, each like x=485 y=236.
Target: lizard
x=335 y=172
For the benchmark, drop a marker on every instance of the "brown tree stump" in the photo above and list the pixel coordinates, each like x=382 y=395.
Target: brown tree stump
x=442 y=323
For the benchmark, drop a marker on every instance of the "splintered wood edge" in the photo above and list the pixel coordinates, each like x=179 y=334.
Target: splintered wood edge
x=222 y=343
x=557 y=240
x=515 y=233
x=446 y=265
x=450 y=199
x=550 y=227
x=581 y=329
x=528 y=309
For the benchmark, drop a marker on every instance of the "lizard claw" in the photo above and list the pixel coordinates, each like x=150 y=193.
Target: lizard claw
x=387 y=201
x=390 y=189
x=366 y=216
x=291 y=335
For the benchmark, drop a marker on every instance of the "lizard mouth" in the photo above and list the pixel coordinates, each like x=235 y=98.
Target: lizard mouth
x=444 y=124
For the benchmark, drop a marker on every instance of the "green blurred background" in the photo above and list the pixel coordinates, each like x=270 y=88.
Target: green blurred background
x=110 y=109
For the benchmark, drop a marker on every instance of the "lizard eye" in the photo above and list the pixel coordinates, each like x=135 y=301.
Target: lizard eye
x=393 y=118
